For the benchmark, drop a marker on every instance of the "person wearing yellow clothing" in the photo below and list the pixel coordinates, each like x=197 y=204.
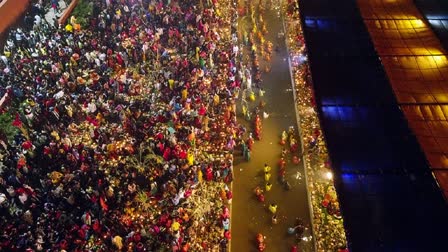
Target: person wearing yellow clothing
x=118 y=242
x=184 y=94
x=267 y=168
x=200 y=176
x=73 y=20
x=197 y=54
x=55 y=177
x=267 y=176
x=254 y=48
x=69 y=28
x=273 y=208
x=55 y=135
x=268 y=186
x=190 y=158
x=171 y=83
x=175 y=226
x=216 y=100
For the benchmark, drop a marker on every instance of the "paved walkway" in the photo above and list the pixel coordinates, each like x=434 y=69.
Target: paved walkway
x=250 y=216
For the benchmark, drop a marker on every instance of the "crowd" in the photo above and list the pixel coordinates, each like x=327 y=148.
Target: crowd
x=327 y=221
x=119 y=135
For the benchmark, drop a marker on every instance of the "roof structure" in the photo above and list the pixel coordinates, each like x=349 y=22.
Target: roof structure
x=387 y=192
x=10 y=12
x=436 y=13
x=417 y=68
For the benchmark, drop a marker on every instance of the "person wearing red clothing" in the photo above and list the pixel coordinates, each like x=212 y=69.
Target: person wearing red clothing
x=209 y=173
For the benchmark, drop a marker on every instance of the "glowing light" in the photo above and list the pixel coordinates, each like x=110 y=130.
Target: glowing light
x=298 y=175
x=434 y=51
x=435 y=22
x=418 y=23
x=440 y=60
x=329 y=175
x=307 y=238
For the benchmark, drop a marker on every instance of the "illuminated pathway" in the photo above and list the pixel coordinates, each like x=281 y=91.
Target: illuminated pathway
x=249 y=216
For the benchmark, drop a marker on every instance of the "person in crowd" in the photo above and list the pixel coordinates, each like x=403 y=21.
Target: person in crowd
x=111 y=128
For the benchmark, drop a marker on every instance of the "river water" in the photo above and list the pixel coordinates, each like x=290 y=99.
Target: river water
x=249 y=216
